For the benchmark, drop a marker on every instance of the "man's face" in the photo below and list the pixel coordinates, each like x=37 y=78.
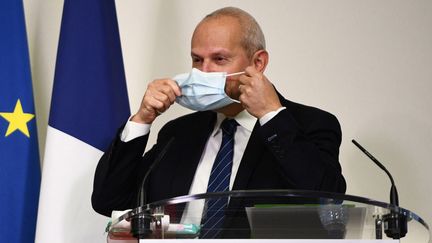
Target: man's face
x=216 y=48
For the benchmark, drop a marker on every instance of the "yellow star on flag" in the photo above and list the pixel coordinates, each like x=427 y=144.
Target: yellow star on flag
x=17 y=120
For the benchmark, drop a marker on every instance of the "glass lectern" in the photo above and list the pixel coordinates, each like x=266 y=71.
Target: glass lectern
x=272 y=214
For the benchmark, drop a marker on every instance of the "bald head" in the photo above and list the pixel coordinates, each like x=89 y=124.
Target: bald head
x=252 y=37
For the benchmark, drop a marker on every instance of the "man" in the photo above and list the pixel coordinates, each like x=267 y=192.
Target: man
x=278 y=144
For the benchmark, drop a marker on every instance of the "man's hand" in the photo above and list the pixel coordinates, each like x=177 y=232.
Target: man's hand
x=257 y=94
x=159 y=96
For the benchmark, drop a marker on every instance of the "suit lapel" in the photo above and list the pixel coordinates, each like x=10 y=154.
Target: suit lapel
x=251 y=157
x=190 y=155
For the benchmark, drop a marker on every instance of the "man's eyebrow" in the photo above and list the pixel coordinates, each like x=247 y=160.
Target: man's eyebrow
x=216 y=52
x=195 y=55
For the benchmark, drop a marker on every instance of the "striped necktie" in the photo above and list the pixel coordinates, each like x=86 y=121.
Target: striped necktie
x=219 y=182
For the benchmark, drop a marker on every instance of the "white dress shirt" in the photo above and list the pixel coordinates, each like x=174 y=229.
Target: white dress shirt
x=194 y=210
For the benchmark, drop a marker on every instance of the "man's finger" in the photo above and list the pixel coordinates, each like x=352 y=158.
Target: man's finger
x=174 y=86
x=168 y=92
x=244 y=79
x=251 y=71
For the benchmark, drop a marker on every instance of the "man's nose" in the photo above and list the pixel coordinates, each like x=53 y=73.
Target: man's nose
x=207 y=66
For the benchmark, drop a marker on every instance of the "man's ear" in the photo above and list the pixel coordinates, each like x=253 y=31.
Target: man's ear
x=260 y=60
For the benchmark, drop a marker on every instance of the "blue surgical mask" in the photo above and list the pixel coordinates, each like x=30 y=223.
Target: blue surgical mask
x=203 y=91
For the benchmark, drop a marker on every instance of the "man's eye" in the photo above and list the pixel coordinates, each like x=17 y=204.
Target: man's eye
x=195 y=59
x=220 y=59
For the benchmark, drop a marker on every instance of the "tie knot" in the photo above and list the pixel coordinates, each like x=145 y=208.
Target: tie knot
x=229 y=126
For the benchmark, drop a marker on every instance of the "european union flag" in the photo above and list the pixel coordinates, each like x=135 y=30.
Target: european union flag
x=19 y=156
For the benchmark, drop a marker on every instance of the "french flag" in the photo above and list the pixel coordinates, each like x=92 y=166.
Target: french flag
x=89 y=103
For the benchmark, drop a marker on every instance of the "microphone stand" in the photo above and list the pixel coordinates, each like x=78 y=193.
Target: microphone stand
x=140 y=222
x=395 y=223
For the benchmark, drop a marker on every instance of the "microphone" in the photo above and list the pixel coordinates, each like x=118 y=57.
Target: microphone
x=395 y=224
x=140 y=223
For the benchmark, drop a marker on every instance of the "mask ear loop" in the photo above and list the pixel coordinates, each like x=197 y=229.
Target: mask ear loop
x=234 y=74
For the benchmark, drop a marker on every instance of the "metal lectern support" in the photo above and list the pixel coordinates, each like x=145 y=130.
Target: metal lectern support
x=378 y=228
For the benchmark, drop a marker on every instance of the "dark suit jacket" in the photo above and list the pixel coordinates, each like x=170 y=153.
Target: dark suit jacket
x=297 y=149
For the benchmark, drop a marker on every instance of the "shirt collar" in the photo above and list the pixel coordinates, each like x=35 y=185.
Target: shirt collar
x=244 y=119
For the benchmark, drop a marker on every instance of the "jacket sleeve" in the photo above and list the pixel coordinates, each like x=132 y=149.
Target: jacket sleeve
x=306 y=149
x=116 y=179
x=121 y=169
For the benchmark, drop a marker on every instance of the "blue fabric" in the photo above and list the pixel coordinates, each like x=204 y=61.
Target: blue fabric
x=219 y=181
x=89 y=100
x=19 y=156
x=202 y=91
